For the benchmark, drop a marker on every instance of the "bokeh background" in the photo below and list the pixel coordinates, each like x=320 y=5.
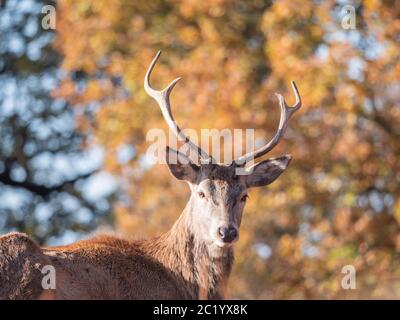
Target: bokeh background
x=74 y=117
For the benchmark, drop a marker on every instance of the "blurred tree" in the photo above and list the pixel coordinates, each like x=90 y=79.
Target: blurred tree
x=44 y=169
x=338 y=203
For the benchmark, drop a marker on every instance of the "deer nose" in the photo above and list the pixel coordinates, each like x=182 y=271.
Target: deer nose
x=227 y=234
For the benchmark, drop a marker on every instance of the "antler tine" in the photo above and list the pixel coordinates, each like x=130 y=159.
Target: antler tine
x=162 y=98
x=286 y=113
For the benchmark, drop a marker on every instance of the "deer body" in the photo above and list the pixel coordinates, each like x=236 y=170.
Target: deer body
x=192 y=260
x=174 y=265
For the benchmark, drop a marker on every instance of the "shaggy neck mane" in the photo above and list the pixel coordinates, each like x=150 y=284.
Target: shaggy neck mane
x=202 y=275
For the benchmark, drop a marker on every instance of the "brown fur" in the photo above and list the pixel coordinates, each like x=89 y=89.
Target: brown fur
x=107 y=267
x=20 y=264
x=190 y=261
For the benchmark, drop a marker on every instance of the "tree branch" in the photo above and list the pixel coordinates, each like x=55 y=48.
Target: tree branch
x=43 y=191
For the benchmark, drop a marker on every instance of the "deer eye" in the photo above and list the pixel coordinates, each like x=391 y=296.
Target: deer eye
x=244 y=198
x=201 y=194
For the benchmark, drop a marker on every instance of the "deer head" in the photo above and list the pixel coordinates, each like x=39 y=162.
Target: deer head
x=218 y=193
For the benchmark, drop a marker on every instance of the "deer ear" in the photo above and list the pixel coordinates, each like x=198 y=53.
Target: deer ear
x=181 y=166
x=265 y=172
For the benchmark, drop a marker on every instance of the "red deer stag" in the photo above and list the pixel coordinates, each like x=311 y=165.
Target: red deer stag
x=192 y=260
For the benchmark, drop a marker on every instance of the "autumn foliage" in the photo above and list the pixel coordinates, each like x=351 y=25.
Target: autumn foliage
x=337 y=204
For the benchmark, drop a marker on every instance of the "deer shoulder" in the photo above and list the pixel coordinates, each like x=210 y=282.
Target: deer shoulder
x=21 y=262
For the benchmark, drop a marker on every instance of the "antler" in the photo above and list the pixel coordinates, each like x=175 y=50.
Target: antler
x=286 y=113
x=162 y=98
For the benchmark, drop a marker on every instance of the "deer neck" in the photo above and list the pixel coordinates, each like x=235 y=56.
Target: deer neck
x=203 y=271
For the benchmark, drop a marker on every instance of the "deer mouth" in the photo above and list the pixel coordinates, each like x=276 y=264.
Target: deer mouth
x=223 y=244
